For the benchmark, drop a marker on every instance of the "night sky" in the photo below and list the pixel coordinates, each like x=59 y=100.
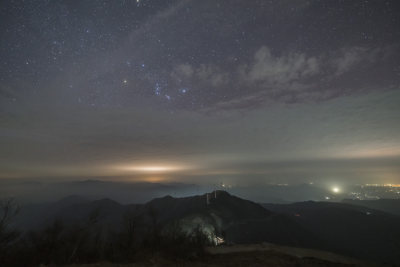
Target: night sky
x=200 y=91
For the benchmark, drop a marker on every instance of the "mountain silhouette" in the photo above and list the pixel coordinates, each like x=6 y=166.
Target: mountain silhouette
x=349 y=230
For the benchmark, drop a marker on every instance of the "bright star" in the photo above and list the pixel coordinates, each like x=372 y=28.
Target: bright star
x=157 y=89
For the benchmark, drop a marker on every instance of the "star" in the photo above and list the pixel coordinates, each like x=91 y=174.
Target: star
x=157 y=89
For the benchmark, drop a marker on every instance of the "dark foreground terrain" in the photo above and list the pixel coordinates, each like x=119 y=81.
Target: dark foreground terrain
x=247 y=255
x=176 y=231
x=254 y=258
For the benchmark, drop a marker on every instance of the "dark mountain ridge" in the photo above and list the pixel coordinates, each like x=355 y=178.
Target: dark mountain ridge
x=347 y=229
x=387 y=205
x=338 y=227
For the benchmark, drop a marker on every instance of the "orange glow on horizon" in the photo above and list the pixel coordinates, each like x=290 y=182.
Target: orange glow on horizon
x=154 y=179
x=151 y=168
x=373 y=152
x=162 y=168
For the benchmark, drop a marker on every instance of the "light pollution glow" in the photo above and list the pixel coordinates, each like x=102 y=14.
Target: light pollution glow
x=336 y=189
x=236 y=106
x=150 y=168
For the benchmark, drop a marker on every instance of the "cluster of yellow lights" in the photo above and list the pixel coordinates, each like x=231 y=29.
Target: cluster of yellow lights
x=392 y=185
x=386 y=185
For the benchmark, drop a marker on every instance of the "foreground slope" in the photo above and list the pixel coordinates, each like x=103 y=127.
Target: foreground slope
x=387 y=205
x=350 y=230
x=337 y=227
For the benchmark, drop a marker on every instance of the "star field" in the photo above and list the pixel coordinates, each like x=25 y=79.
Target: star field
x=210 y=47
x=131 y=65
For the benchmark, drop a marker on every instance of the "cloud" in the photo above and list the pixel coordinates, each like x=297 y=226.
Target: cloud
x=295 y=77
x=279 y=71
x=203 y=74
x=349 y=58
x=214 y=75
x=288 y=77
x=294 y=68
x=183 y=70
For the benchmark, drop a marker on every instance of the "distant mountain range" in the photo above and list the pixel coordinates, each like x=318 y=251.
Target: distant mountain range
x=142 y=192
x=387 y=205
x=123 y=192
x=351 y=230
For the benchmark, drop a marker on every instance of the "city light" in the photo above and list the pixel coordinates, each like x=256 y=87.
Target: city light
x=336 y=189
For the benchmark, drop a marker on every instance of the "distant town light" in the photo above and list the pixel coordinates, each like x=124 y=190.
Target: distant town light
x=335 y=189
